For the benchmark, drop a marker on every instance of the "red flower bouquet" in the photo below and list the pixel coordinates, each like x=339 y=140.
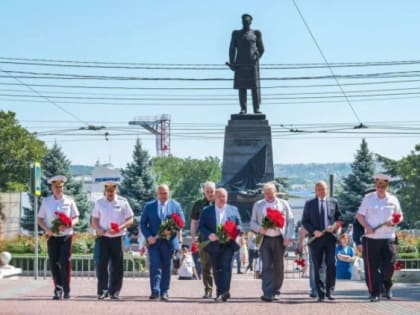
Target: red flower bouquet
x=398 y=265
x=194 y=248
x=273 y=219
x=60 y=220
x=225 y=233
x=299 y=261
x=115 y=227
x=396 y=217
x=172 y=223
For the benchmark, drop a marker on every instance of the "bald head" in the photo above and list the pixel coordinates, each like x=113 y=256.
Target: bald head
x=221 y=197
x=163 y=193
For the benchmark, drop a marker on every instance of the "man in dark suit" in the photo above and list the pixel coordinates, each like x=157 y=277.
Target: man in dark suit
x=160 y=249
x=319 y=216
x=221 y=255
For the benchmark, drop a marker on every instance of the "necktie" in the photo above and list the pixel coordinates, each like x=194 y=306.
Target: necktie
x=162 y=211
x=322 y=213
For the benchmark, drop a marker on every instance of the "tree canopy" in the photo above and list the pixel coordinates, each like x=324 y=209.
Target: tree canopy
x=18 y=149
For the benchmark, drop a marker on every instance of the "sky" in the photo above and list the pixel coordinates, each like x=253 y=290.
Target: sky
x=198 y=32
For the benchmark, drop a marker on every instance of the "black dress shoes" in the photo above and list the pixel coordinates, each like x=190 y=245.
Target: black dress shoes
x=218 y=298
x=58 y=293
x=153 y=297
x=374 y=298
x=225 y=296
x=330 y=297
x=266 y=299
x=207 y=295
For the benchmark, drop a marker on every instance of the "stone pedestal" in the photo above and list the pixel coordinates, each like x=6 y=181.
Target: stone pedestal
x=247 y=159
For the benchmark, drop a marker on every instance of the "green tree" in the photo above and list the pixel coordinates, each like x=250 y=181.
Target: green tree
x=56 y=163
x=357 y=182
x=406 y=183
x=18 y=148
x=138 y=184
x=185 y=177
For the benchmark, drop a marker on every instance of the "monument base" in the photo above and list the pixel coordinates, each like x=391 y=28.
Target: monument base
x=247 y=159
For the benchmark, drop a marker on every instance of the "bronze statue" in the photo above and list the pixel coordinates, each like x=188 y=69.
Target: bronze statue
x=246 y=48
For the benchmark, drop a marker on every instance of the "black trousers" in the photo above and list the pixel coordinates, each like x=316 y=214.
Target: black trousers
x=110 y=250
x=222 y=268
x=379 y=264
x=59 y=254
x=324 y=245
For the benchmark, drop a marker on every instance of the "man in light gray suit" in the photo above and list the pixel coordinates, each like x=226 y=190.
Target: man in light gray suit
x=274 y=242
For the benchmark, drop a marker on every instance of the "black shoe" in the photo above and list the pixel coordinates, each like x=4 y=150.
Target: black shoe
x=320 y=299
x=58 y=293
x=164 y=297
x=66 y=296
x=115 y=297
x=218 y=298
x=374 y=298
x=225 y=296
x=388 y=293
x=153 y=297
x=313 y=295
x=330 y=297
x=266 y=299
x=257 y=111
x=207 y=295
x=104 y=294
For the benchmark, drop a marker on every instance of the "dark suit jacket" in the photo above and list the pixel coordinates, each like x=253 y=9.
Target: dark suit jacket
x=150 y=221
x=311 y=218
x=208 y=225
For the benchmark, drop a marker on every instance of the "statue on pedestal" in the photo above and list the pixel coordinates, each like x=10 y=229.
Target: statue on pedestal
x=245 y=51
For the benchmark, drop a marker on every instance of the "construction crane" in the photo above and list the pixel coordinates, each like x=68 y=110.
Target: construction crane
x=160 y=126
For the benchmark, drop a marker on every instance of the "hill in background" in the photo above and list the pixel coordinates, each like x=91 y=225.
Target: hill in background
x=303 y=176
x=299 y=176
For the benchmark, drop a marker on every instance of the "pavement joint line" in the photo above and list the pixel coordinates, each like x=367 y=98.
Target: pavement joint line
x=16 y=291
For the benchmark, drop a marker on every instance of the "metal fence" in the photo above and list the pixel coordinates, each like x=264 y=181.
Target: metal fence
x=82 y=265
x=135 y=266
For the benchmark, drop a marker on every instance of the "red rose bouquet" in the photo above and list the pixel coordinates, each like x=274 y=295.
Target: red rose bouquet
x=115 y=227
x=225 y=233
x=60 y=220
x=172 y=223
x=299 y=261
x=273 y=219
